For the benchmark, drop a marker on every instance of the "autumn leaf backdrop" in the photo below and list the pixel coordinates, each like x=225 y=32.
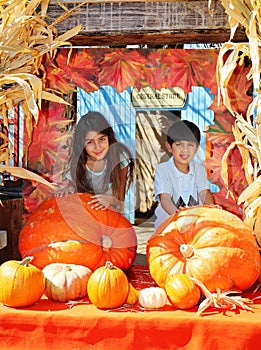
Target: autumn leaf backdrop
x=90 y=69
x=32 y=72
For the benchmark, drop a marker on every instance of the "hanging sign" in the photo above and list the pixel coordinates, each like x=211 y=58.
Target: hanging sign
x=148 y=97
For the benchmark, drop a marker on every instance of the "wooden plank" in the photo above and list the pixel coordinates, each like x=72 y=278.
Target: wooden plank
x=143 y=22
x=154 y=40
x=5 y=225
x=115 y=1
x=16 y=226
x=11 y=221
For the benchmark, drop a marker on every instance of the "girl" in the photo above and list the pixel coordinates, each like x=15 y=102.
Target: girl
x=99 y=164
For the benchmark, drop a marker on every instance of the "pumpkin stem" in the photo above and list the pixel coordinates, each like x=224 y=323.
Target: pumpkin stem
x=186 y=250
x=106 y=242
x=26 y=261
x=109 y=265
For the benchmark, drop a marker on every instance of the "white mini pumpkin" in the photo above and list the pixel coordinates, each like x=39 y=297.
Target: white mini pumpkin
x=152 y=298
x=64 y=282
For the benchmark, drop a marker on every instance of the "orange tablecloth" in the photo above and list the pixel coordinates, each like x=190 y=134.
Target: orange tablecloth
x=52 y=325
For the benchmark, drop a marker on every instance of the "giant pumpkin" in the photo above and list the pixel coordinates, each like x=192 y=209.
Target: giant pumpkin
x=207 y=243
x=67 y=230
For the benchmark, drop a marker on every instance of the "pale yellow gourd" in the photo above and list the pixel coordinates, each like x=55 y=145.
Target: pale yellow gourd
x=64 y=282
x=153 y=298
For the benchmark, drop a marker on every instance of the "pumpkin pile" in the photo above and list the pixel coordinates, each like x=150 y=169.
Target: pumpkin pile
x=67 y=230
x=208 y=244
x=23 y=284
x=198 y=251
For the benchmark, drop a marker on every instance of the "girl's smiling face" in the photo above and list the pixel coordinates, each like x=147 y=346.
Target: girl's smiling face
x=96 y=145
x=183 y=152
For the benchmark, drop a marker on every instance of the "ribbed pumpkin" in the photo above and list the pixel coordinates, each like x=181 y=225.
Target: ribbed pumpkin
x=108 y=287
x=182 y=291
x=207 y=243
x=21 y=283
x=64 y=282
x=68 y=230
x=153 y=298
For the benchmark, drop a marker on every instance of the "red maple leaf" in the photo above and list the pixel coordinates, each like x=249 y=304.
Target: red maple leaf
x=240 y=89
x=80 y=68
x=122 y=68
x=155 y=71
x=219 y=138
x=58 y=77
x=218 y=144
x=228 y=203
x=33 y=195
x=47 y=154
x=48 y=140
x=186 y=68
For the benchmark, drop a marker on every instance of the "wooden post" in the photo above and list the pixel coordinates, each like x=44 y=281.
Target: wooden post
x=11 y=219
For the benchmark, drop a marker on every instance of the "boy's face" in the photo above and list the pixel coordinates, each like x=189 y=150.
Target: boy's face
x=182 y=151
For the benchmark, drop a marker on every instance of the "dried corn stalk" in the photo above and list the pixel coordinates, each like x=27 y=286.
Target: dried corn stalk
x=247 y=131
x=25 y=37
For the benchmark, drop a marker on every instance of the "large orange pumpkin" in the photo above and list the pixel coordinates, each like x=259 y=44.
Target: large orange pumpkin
x=207 y=243
x=68 y=230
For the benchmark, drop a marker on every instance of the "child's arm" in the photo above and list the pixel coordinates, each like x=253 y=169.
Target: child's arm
x=206 y=197
x=167 y=203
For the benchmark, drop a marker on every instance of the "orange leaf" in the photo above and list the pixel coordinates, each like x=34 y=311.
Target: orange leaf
x=80 y=69
x=122 y=68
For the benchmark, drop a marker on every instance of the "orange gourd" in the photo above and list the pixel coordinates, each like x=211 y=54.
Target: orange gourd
x=182 y=292
x=67 y=230
x=133 y=295
x=108 y=287
x=207 y=243
x=21 y=283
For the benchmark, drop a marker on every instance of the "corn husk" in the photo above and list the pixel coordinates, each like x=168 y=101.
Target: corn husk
x=247 y=130
x=25 y=39
x=26 y=174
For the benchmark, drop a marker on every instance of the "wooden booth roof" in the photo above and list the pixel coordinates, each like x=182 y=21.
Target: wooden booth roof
x=155 y=23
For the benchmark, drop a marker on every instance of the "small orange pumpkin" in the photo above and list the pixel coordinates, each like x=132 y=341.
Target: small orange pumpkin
x=182 y=292
x=21 y=283
x=207 y=243
x=67 y=230
x=108 y=287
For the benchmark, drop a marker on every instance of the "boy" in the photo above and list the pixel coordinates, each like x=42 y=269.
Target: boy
x=181 y=181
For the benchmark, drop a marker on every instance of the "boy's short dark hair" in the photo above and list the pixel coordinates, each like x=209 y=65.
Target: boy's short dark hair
x=183 y=130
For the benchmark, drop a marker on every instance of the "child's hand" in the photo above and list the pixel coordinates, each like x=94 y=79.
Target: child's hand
x=101 y=201
x=65 y=191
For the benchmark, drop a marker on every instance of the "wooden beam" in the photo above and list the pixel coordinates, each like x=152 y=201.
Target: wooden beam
x=144 y=22
x=153 y=39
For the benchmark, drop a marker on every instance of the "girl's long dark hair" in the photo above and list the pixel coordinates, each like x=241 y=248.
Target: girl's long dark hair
x=95 y=121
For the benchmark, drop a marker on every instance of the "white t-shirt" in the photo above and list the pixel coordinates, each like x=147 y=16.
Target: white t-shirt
x=183 y=188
